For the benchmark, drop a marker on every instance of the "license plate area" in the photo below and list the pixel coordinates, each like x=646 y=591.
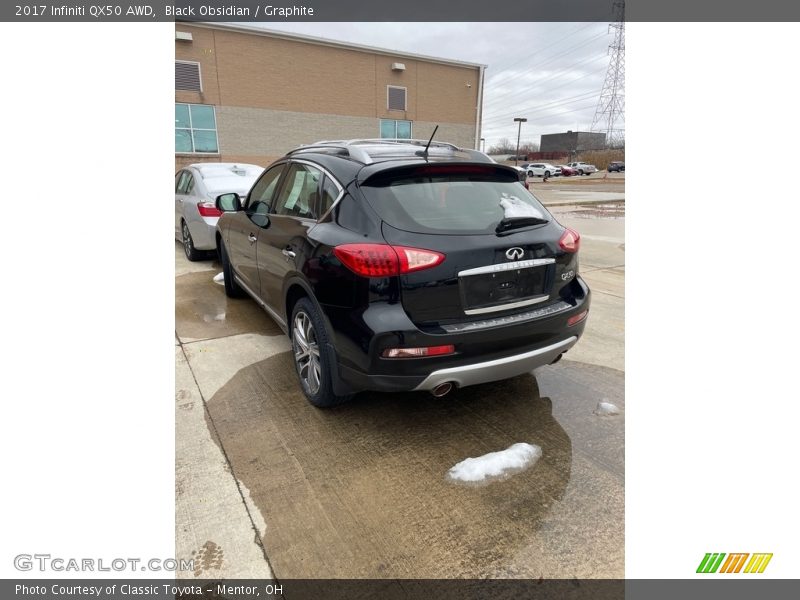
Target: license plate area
x=504 y=286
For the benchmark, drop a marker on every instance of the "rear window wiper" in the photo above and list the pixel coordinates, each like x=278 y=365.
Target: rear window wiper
x=517 y=222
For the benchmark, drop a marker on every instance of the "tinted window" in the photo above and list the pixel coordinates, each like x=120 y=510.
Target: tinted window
x=299 y=196
x=263 y=189
x=452 y=204
x=185 y=183
x=329 y=194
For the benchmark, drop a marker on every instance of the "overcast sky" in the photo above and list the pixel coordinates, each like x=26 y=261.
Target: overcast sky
x=549 y=73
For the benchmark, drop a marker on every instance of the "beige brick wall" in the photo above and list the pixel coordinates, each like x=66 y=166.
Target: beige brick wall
x=273 y=94
x=259 y=136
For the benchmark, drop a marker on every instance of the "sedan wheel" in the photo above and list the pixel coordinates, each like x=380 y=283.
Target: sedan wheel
x=306 y=353
x=192 y=253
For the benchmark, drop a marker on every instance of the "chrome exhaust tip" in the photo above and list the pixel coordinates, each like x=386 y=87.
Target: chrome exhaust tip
x=442 y=389
x=557 y=358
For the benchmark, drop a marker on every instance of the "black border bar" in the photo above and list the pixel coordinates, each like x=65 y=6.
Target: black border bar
x=713 y=586
x=266 y=11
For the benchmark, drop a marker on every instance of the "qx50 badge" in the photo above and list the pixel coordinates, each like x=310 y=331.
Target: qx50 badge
x=514 y=253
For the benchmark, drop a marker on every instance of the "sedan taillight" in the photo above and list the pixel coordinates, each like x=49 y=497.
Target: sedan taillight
x=383 y=260
x=208 y=209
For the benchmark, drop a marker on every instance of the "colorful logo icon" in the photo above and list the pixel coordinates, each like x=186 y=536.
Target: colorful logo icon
x=734 y=562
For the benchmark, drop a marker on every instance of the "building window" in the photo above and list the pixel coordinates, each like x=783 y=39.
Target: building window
x=187 y=76
x=395 y=97
x=392 y=129
x=195 y=129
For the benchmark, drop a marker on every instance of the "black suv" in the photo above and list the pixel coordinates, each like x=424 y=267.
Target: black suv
x=616 y=166
x=403 y=265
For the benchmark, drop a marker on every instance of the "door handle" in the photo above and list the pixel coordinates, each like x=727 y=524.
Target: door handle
x=288 y=253
x=252 y=237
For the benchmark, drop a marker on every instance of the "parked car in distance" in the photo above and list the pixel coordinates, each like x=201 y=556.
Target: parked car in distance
x=196 y=188
x=541 y=170
x=583 y=168
x=567 y=171
x=393 y=266
x=616 y=166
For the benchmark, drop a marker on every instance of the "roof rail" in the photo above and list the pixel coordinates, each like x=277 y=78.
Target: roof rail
x=353 y=149
x=353 y=152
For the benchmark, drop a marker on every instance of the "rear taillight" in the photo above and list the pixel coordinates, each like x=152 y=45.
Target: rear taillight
x=383 y=260
x=207 y=209
x=570 y=240
x=418 y=352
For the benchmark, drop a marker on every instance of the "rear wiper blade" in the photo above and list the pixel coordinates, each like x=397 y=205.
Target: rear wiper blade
x=516 y=222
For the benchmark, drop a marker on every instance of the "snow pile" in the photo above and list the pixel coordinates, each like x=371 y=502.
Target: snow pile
x=606 y=409
x=514 y=208
x=495 y=465
x=219 y=278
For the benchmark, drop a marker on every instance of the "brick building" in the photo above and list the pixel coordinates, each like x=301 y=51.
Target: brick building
x=246 y=94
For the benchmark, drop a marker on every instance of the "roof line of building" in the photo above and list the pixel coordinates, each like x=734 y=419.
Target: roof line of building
x=327 y=42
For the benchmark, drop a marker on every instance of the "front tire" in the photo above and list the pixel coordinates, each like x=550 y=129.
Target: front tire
x=313 y=359
x=192 y=253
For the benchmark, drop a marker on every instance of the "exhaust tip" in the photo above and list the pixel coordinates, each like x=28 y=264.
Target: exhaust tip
x=442 y=389
x=557 y=358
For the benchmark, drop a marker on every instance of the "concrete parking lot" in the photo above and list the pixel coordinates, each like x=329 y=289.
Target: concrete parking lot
x=267 y=485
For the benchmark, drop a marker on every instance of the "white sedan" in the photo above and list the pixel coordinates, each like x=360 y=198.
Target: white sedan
x=196 y=188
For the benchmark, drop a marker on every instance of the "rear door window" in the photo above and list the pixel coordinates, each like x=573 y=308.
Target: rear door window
x=299 y=196
x=453 y=202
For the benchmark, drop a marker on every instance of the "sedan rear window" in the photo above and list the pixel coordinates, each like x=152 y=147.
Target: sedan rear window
x=456 y=203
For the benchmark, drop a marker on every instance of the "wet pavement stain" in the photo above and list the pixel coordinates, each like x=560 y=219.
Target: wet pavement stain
x=360 y=490
x=203 y=311
x=607 y=210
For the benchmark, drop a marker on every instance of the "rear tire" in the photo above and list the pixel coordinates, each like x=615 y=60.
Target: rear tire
x=232 y=289
x=313 y=359
x=192 y=253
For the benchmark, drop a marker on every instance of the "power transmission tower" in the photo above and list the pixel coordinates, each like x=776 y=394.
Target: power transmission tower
x=609 y=117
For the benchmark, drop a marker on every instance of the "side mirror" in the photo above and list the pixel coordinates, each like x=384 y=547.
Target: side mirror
x=228 y=202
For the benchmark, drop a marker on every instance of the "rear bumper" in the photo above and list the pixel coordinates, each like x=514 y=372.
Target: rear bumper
x=496 y=370
x=488 y=350
x=203 y=232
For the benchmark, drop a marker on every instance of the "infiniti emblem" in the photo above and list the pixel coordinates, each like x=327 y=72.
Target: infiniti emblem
x=514 y=253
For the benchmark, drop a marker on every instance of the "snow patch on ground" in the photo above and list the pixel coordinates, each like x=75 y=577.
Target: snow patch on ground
x=606 y=409
x=219 y=278
x=495 y=466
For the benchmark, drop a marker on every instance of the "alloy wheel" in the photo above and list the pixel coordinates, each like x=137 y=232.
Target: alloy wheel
x=306 y=352
x=187 y=240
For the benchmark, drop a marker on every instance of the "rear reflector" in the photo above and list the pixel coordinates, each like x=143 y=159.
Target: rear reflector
x=207 y=209
x=383 y=260
x=570 y=240
x=577 y=318
x=418 y=352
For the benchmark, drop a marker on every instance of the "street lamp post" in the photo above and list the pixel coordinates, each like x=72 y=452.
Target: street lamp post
x=519 y=120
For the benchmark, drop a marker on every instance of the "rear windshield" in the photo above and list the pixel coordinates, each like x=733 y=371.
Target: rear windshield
x=455 y=204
